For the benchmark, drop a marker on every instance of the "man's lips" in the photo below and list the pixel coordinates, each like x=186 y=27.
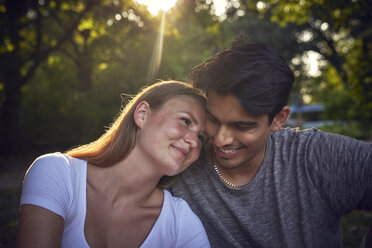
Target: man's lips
x=227 y=152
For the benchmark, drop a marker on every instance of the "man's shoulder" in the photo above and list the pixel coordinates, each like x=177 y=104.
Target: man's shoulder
x=291 y=135
x=195 y=170
x=289 y=131
x=194 y=175
x=200 y=164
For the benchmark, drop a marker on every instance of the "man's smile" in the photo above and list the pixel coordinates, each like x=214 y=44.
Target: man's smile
x=227 y=152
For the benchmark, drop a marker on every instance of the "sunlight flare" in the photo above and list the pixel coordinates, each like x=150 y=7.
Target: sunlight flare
x=157 y=53
x=154 y=6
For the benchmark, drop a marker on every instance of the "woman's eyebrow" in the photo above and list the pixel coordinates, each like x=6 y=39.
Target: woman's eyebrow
x=192 y=117
x=204 y=132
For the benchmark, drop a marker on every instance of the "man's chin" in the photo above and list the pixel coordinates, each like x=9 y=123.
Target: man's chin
x=224 y=163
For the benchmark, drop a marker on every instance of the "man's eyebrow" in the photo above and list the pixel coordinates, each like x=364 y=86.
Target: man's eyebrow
x=245 y=123
x=209 y=113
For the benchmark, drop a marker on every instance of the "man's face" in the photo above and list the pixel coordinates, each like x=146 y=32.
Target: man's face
x=239 y=138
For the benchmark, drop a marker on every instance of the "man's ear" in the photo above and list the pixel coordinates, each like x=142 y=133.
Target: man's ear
x=280 y=119
x=140 y=113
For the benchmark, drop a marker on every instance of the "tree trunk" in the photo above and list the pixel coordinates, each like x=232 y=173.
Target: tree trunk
x=11 y=138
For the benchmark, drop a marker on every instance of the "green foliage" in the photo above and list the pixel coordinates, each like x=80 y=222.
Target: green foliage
x=56 y=55
x=354 y=226
x=340 y=31
x=65 y=64
x=71 y=60
x=351 y=128
x=9 y=202
x=191 y=38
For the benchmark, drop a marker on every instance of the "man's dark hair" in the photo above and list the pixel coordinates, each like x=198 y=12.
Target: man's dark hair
x=253 y=72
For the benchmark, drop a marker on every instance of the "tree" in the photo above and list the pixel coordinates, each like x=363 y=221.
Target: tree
x=341 y=33
x=31 y=32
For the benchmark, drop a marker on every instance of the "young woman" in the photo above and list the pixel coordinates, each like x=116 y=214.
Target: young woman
x=109 y=193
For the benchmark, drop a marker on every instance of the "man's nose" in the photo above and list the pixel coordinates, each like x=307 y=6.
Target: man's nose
x=223 y=136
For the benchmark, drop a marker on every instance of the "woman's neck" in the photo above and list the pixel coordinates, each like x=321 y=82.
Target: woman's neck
x=133 y=179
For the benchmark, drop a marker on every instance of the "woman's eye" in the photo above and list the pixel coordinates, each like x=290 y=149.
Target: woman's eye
x=187 y=121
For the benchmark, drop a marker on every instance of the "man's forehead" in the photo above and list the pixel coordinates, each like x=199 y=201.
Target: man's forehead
x=228 y=98
x=223 y=102
x=227 y=108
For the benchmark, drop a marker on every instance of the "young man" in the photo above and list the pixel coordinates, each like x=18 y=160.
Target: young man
x=258 y=184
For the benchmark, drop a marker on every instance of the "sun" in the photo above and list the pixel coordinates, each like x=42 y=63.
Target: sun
x=154 y=6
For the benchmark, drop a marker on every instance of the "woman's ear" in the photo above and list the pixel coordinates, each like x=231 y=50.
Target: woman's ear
x=140 y=113
x=280 y=119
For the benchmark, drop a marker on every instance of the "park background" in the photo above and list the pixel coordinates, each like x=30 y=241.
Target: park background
x=66 y=66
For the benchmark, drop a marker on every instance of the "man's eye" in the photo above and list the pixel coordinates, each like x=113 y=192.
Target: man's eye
x=244 y=128
x=211 y=118
x=187 y=121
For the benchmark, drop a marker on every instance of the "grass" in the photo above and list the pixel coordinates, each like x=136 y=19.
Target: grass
x=9 y=213
x=354 y=225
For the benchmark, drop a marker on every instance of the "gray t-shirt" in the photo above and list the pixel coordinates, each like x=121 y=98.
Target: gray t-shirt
x=308 y=179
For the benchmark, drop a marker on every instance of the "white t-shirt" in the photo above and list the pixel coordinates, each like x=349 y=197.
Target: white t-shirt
x=57 y=182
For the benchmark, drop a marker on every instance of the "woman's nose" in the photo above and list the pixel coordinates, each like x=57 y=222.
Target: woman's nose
x=192 y=139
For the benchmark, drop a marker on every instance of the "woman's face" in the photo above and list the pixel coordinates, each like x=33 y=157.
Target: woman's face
x=173 y=135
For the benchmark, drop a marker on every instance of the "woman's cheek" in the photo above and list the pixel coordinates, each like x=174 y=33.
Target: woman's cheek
x=195 y=153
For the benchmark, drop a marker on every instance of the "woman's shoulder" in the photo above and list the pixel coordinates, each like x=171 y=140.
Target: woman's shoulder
x=186 y=222
x=47 y=183
x=179 y=208
x=53 y=157
x=174 y=201
x=54 y=162
x=51 y=162
x=55 y=167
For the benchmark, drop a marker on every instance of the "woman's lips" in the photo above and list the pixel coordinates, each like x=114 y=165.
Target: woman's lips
x=181 y=151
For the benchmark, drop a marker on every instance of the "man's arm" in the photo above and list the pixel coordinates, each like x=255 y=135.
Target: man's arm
x=341 y=168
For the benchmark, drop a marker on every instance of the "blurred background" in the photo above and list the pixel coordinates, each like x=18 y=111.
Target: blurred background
x=67 y=65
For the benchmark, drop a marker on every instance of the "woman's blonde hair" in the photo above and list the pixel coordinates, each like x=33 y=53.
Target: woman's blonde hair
x=117 y=142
